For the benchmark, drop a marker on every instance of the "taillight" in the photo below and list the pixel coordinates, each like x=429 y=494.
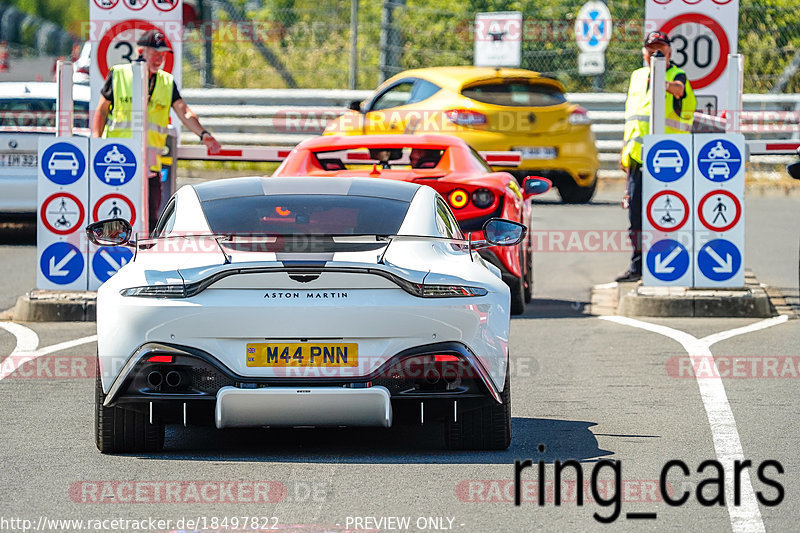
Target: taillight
x=482 y=198
x=458 y=198
x=160 y=359
x=465 y=117
x=579 y=117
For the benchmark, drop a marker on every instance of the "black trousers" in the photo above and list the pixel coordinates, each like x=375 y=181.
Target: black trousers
x=153 y=200
x=635 y=215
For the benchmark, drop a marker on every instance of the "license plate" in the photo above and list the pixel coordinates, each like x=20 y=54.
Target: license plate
x=537 y=152
x=18 y=160
x=306 y=354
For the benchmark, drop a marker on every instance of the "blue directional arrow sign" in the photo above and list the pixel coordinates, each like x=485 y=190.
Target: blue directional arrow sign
x=668 y=161
x=114 y=164
x=667 y=260
x=719 y=260
x=63 y=163
x=108 y=260
x=61 y=263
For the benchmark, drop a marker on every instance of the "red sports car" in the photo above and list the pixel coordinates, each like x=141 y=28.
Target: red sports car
x=462 y=176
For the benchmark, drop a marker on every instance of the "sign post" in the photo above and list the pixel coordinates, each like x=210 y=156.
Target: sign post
x=593 y=27
x=498 y=39
x=703 y=33
x=719 y=210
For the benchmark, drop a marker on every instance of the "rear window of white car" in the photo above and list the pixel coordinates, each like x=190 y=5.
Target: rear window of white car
x=308 y=214
x=515 y=94
x=38 y=112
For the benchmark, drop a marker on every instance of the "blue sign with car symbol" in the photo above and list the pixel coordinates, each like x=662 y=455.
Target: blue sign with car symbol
x=63 y=163
x=114 y=164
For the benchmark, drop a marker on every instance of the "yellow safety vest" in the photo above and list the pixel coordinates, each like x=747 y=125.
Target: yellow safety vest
x=120 y=122
x=637 y=112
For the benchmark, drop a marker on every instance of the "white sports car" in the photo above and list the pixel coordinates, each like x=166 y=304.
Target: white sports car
x=310 y=301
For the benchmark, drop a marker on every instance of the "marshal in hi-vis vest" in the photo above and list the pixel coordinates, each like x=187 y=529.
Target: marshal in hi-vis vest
x=119 y=122
x=637 y=112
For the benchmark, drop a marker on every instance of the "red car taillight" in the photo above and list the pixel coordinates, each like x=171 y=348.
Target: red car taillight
x=466 y=117
x=579 y=117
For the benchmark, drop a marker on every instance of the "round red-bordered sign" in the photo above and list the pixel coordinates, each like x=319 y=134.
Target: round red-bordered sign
x=96 y=210
x=651 y=218
x=662 y=2
x=736 y=204
x=128 y=4
x=48 y=201
x=719 y=33
x=172 y=4
x=106 y=4
x=116 y=29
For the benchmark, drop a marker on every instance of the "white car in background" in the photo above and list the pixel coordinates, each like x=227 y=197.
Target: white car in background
x=27 y=111
x=304 y=301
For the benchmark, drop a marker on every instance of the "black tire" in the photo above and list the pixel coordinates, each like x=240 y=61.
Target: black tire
x=572 y=193
x=517 y=286
x=529 y=278
x=118 y=430
x=485 y=428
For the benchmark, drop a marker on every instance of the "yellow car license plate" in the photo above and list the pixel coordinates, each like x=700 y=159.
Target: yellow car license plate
x=305 y=354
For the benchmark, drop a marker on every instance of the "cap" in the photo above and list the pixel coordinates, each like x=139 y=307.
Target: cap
x=656 y=37
x=154 y=39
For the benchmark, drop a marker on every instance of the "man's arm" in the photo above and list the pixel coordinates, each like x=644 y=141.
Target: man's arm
x=100 y=116
x=190 y=120
x=676 y=88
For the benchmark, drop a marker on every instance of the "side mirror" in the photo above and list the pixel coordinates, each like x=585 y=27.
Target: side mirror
x=502 y=232
x=355 y=105
x=533 y=185
x=794 y=170
x=112 y=232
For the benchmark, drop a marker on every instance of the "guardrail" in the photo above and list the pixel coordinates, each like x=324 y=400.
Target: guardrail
x=285 y=117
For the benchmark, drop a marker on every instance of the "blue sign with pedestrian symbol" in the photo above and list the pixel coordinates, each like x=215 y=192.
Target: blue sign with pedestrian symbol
x=63 y=163
x=719 y=260
x=61 y=263
x=114 y=164
x=719 y=160
x=668 y=161
x=668 y=260
x=108 y=260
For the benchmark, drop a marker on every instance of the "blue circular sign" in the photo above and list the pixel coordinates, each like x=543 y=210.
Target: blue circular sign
x=667 y=260
x=719 y=160
x=114 y=164
x=61 y=263
x=668 y=161
x=108 y=259
x=719 y=260
x=63 y=163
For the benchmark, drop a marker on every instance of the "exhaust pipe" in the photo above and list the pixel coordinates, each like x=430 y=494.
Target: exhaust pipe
x=432 y=376
x=154 y=379
x=174 y=378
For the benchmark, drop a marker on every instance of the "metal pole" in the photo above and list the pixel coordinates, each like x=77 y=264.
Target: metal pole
x=353 y=43
x=139 y=132
x=735 y=85
x=658 y=90
x=206 y=32
x=64 y=104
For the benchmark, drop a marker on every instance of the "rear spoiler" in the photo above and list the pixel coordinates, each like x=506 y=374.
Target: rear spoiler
x=276 y=154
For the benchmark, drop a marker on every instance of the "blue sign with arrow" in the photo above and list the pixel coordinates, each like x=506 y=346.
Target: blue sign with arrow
x=719 y=160
x=108 y=259
x=668 y=161
x=719 y=260
x=114 y=164
x=667 y=260
x=61 y=263
x=63 y=163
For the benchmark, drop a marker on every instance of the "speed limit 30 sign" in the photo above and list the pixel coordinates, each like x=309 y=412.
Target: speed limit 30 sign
x=703 y=33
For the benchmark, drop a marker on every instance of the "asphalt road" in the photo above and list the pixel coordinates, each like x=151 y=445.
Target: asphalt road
x=586 y=388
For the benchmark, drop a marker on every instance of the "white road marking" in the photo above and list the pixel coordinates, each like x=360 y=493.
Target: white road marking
x=727 y=445
x=27 y=339
x=26 y=349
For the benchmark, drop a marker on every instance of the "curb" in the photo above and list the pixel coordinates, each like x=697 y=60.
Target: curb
x=755 y=300
x=56 y=306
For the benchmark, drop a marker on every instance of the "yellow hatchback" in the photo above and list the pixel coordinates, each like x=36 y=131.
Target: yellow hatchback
x=491 y=109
